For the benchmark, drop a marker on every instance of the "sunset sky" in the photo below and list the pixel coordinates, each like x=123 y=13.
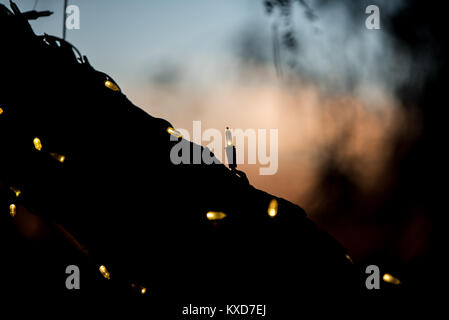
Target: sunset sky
x=180 y=60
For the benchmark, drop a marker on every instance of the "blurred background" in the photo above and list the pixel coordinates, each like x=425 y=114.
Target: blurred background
x=357 y=110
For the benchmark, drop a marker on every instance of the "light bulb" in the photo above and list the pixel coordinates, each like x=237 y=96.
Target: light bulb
x=12 y=210
x=111 y=85
x=58 y=156
x=273 y=208
x=215 y=215
x=174 y=132
x=231 y=153
x=349 y=258
x=105 y=272
x=17 y=192
x=37 y=144
x=228 y=136
x=390 y=279
x=139 y=288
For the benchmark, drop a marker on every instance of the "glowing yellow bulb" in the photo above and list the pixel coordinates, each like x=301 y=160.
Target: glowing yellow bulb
x=228 y=137
x=111 y=85
x=12 y=210
x=58 y=156
x=390 y=279
x=105 y=272
x=273 y=208
x=349 y=258
x=174 y=132
x=215 y=215
x=37 y=144
x=17 y=192
x=142 y=290
x=1 y=111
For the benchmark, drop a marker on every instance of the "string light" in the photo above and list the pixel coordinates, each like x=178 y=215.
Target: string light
x=174 y=132
x=228 y=137
x=215 y=215
x=58 y=156
x=273 y=208
x=37 y=144
x=390 y=279
x=17 y=192
x=111 y=85
x=105 y=272
x=211 y=215
x=12 y=210
x=140 y=288
x=349 y=258
x=231 y=153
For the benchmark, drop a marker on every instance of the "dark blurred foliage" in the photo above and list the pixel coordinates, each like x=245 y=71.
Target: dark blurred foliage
x=400 y=217
x=285 y=7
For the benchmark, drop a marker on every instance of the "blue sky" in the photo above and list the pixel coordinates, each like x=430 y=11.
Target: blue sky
x=127 y=38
